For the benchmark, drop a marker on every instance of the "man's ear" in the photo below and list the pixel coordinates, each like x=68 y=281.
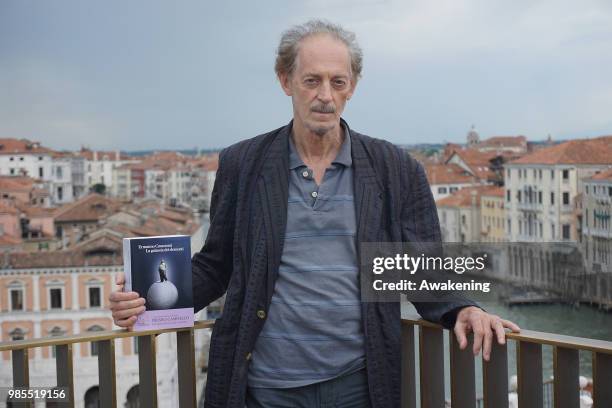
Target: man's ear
x=285 y=80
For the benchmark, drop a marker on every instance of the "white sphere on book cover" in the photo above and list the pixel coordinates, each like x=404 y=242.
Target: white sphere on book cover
x=162 y=295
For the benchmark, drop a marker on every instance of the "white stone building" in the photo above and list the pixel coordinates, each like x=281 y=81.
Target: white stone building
x=541 y=189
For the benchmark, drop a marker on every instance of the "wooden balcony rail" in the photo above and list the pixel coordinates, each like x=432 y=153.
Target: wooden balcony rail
x=495 y=372
x=430 y=346
x=106 y=363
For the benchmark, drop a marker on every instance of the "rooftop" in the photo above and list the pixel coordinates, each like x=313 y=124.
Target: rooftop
x=581 y=151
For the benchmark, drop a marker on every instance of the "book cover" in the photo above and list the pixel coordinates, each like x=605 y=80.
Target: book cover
x=159 y=270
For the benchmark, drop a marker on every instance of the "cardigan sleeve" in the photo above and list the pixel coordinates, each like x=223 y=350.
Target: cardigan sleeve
x=419 y=218
x=212 y=265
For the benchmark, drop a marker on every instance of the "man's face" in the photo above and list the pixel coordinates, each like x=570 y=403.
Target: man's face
x=320 y=84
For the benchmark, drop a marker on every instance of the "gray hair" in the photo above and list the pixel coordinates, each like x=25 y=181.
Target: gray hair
x=290 y=40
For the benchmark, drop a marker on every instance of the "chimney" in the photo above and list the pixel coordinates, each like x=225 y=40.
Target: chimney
x=117 y=156
x=95 y=156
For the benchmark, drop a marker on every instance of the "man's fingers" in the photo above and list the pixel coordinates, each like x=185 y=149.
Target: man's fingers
x=120 y=278
x=461 y=334
x=488 y=338
x=127 y=304
x=119 y=296
x=129 y=322
x=125 y=313
x=500 y=332
x=478 y=336
x=511 y=326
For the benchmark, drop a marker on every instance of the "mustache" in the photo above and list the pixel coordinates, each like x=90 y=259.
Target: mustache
x=323 y=108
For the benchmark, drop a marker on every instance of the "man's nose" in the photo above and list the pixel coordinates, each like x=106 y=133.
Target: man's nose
x=325 y=92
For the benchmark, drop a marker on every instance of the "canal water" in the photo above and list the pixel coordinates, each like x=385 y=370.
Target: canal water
x=560 y=319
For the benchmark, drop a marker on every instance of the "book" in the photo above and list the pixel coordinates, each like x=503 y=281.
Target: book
x=159 y=270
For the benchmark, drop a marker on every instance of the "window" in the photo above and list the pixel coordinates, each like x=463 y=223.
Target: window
x=40 y=172
x=56 y=332
x=539 y=197
x=566 y=231
x=39 y=158
x=58 y=172
x=94 y=297
x=610 y=191
x=540 y=174
x=565 y=174
x=463 y=219
x=509 y=226
x=21 y=159
x=94 y=344
x=17 y=334
x=508 y=174
x=552 y=174
x=566 y=199
x=17 y=295
x=60 y=193
x=552 y=230
x=452 y=189
x=55 y=298
x=508 y=195
x=586 y=189
x=518 y=195
x=552 y=198
x=12 y=171
x=441 y=190
x=12 y=159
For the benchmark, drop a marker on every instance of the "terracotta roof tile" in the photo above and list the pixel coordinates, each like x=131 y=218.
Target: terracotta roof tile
x=580 y=151
x=22 y=146
x=463 y=197
x=92 y=207
x=447 y=174
x=605 y=175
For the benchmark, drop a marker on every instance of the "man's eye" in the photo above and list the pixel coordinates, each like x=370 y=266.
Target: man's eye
x=340 y=83
x=310 y=81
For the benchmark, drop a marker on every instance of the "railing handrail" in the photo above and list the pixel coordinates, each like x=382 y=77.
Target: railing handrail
x=531 y=336
x=95 y=336
x=552 y=339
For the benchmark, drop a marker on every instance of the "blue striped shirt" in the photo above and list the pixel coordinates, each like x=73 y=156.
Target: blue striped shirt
x=313 y=331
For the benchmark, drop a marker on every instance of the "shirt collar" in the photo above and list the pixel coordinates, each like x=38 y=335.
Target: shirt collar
x=343 y=157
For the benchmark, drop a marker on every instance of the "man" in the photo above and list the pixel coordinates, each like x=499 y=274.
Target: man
x=289 y=209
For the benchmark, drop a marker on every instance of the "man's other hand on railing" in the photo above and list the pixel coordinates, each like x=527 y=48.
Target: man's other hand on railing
x=484 y=326
x=126 y=306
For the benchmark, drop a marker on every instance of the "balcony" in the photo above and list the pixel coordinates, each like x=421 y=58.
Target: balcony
x=428 y=343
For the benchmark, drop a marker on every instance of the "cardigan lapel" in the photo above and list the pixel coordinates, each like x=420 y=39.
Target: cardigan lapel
x=368 y=193
x=273 y=193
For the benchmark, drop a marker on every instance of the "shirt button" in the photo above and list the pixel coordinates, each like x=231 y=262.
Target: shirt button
x=248 y=357
x=314 y=194
x=305 y=173
x=261 y=314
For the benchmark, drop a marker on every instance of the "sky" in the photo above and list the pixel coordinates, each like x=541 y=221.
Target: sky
x=136 y=75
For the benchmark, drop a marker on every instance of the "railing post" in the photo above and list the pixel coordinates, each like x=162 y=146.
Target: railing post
x=147 y=366
x=21 y=371
x=495 y=377
x=106 y=370
x=431 y=359
x=530 y=387
x=185 y=351
x=462 y=372
x=64 y=372
x=408 y=385
x=566 y=371
x=602 y=372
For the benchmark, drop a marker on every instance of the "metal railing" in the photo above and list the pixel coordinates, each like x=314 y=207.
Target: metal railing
x=429 y=344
